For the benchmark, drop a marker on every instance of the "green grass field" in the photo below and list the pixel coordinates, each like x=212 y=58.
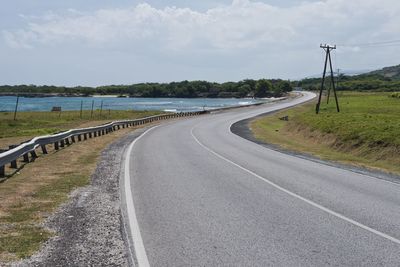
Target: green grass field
x=366 y=132
x=40 y=123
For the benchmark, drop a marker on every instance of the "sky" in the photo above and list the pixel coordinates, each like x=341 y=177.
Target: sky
x=103 y=42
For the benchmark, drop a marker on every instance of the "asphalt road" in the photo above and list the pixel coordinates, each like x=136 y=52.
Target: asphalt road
x=199 y=195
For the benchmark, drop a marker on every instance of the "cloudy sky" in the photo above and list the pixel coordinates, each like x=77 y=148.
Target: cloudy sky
x=98 y=42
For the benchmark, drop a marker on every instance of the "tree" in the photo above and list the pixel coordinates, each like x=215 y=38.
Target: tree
x=285 y=87
x=263 y=88
x=244 y=90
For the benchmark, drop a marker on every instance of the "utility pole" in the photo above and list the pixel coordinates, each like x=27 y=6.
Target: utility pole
x=101 y=108
x=327 y=49
x=91 y=113
x=81 y=109
x=330 y=85
x=16 y=108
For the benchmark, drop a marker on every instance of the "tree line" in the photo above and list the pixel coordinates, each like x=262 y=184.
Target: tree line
x=183 y=89
x=363 y=82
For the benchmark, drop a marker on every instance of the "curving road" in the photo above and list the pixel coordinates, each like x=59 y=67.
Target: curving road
x=199 y=195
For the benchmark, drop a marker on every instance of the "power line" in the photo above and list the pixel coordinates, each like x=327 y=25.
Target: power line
x=373 y=44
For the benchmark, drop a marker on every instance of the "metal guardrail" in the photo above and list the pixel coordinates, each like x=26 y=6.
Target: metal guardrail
x=71 y=136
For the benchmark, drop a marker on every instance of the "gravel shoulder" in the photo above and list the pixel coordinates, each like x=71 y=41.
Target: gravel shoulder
x=89 y=228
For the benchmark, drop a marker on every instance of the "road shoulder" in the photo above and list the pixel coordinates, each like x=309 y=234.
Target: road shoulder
x=90 y=229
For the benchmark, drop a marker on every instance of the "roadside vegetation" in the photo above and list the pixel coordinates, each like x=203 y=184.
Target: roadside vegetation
x=365 y=133
x=35 y=190
x=31 y=124
x=384 y=80
x=189 y=89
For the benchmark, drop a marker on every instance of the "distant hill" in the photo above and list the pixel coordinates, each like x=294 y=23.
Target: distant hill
x=386 y=79
x=387 y=72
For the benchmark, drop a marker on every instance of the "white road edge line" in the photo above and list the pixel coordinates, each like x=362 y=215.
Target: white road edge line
x=140 y=251
x=310 y=202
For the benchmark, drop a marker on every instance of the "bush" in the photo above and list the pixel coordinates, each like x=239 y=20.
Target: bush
x=395 y=95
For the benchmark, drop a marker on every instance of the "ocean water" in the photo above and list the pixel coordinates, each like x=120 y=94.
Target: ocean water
x=7 y=103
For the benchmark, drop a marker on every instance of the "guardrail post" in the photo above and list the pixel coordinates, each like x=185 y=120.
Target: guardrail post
x=62 y=143
x=79 y=138
x=2 y=171
x=44 y=150
x=95 y=133
x=2 y=168
x=90 y=135
x=26 y=157
x=102 y=132
x=73 y=139
x=34 y=155
x=14 y=162
x=56 y=145
x=67 y=141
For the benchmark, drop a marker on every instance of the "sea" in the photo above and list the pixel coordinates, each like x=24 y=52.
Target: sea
x=8 y=103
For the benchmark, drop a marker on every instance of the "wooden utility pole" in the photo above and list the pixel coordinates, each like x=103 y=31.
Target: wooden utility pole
x=16 y=108
x=330 y=86
x=327 y=49
x=81 y=109
x=91 y=113
x=101 y=108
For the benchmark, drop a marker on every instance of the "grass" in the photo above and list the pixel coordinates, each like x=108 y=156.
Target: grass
x=39 y=123
x=36 y=190
x=31 y=124
x=365 y=133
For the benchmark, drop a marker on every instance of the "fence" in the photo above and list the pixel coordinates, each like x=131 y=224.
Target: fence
x=76 y=135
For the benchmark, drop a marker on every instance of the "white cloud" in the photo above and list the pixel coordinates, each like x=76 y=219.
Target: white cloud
x=243 y=39
x=243 y=24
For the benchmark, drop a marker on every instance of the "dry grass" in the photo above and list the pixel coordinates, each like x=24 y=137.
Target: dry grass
x=36 y=190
